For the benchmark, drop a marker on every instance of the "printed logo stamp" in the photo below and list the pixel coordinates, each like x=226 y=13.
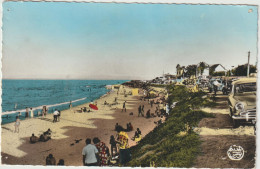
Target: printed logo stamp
x=235 y=152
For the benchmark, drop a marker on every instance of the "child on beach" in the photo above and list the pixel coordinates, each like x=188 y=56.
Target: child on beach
x=17 y=124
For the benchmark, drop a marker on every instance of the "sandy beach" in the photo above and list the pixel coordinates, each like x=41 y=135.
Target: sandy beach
x=73 y=125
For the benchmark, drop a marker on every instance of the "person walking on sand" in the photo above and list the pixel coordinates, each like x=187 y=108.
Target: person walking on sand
x=31 y=112
x=90 y=154
x=26 y=112
x=140 y=111
x=44 y=111
x=17 y=124
x=55 y=115
x=151 y=102
x=143 y=110
x=124 y=108
x=70 y=106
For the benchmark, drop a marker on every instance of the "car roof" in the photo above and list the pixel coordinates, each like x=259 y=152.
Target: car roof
x=244 y=80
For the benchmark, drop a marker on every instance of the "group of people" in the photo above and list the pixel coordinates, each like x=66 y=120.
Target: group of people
x=45 y=136
x=129 y=127
x=96 y=154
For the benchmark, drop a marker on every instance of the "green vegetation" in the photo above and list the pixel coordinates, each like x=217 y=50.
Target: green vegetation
x=165 y=146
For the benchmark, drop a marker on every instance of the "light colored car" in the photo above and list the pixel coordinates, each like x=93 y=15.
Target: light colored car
x=242 y=101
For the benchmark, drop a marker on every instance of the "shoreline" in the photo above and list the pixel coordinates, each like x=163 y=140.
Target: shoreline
x=72 y=126
x=13 y=113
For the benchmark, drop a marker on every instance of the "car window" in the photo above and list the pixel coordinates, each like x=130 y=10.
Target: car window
x=245 y=87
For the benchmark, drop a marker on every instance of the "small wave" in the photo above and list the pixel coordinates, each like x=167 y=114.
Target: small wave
x=40 y=107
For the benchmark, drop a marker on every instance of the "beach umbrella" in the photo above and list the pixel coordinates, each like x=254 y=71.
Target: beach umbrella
x=92 y=106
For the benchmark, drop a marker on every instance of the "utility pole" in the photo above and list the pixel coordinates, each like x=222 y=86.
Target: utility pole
x=248 y=66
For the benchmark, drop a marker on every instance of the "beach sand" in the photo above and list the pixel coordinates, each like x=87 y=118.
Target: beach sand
x=16 y=149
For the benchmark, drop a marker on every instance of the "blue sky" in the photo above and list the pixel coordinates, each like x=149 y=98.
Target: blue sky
x=61 y=40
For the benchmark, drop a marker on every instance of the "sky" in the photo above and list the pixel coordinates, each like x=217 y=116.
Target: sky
x=59 y=40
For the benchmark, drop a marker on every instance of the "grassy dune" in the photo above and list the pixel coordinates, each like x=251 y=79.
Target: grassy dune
x=174 y=143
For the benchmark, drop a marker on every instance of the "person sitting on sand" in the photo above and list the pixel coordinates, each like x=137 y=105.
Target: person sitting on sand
x=103 y=152
x=61 y=162
x=50 y=160
x=45 y=137
x=33 y=139
x=138 y=135
x=105 y=103
x=118 y=127
x=112 y=142
x=148 y=114
x=129 y=127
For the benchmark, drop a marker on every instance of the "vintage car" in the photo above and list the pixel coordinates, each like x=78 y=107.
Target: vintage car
x=242 y=101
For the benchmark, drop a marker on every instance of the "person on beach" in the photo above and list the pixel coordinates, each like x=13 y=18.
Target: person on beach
x=151 y=102
x=70 y=106
x=143 y=110
x=124 y=108
x=17 y=124
x=124 y=153
x=129 y=127
x=112 y=142
x=118 y=127
x=26 y=112
x=138 y=135
x=44 y=111
x=44 y=137
x=58 y=117
x=31 y=113
x=50 y=160
x=61 y=162
x=90 y=154
x=33 y=139
x=103 y=152
x=148 y=114
x=55 y=115
x=140 y=111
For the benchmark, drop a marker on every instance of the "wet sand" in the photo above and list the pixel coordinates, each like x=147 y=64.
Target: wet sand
x=16 y=148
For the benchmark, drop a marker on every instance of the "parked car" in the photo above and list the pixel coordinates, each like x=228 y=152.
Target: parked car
x=242 y=101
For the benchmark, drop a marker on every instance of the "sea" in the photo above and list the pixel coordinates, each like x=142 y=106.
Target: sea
x=55 y=94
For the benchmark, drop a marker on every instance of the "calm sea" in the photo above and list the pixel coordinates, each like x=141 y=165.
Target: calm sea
x=19 y=94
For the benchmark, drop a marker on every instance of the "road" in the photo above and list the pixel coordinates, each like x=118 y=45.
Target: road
x=217 y=135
